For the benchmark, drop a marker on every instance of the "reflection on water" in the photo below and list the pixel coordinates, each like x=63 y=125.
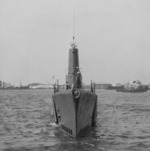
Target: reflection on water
x=26 y=123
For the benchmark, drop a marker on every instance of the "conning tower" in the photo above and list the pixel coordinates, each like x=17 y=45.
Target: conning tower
x=74 y=77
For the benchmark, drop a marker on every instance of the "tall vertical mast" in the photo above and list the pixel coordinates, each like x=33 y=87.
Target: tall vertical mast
x=74 y=78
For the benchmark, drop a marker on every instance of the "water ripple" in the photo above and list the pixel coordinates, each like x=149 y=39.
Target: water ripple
x=27 y=124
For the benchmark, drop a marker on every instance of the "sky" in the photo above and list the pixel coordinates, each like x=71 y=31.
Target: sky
x=113 y=38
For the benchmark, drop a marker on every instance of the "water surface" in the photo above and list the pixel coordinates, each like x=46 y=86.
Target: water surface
x=27 y=124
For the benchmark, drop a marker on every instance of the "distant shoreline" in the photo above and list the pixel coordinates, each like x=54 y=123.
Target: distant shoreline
x=23 y=88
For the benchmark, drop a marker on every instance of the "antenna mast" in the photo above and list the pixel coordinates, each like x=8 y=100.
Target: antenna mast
x=73 y=24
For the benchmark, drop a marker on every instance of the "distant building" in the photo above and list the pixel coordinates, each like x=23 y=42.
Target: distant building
x=118 y=85
x=40 y=86
x=5 y=84
x=87 y=86
x=103 y=86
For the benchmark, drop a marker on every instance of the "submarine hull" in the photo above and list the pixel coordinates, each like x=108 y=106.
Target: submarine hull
x=75 y=115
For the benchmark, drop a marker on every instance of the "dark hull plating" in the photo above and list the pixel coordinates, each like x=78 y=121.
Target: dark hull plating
x=75 y=115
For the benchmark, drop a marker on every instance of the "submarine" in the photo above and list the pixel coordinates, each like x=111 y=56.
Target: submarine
x=75 y=108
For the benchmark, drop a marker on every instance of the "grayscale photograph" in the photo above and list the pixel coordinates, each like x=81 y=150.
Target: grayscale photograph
x=74 y=75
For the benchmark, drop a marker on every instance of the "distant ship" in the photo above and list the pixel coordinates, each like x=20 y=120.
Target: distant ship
x=75 y=109
x=135 y=87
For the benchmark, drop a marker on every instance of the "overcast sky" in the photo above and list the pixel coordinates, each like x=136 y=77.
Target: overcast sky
x=113 y=38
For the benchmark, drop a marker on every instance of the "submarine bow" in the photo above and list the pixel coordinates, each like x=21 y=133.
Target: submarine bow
x=75 y=109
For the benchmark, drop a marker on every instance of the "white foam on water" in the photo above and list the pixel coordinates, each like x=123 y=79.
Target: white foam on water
x=54 y=124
